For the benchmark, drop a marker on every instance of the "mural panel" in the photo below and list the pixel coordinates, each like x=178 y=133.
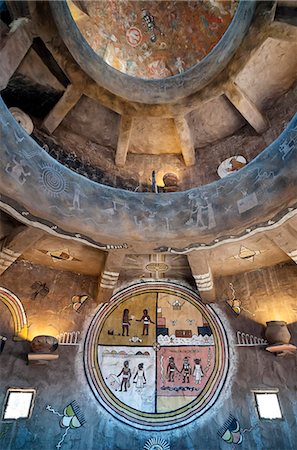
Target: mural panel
x=151 y=39
x=156 y=356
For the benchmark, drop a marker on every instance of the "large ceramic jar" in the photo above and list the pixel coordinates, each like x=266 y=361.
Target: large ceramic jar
x=277 y=332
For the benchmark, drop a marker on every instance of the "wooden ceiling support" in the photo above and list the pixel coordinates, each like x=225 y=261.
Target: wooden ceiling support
x=186 y=140
x=283 y=31
x=110 y=275
x=246 y=107
x=202 y=274
x=123 y=140
x=16 y=243
x=12 y=51
x=49 y=61
x=68 y=100
x=285 y=238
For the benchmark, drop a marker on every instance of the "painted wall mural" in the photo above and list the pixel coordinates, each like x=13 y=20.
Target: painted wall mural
x=156 y=443
x=139 y=49
x=258 y=196
x=18 y=313
x=71 y=419
x=156 y=356
x=231 y=431
x=150 y=39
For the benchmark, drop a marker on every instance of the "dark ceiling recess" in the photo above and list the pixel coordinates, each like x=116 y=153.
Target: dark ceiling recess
x=48 y=59
x=33 y=98
x=74 y=163
x=18 y=9
x=286 y=14
x=5 y=16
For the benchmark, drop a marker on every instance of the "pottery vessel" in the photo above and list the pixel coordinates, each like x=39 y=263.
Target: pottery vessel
x=277 y=332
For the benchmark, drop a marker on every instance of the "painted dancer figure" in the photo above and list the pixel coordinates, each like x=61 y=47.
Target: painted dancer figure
x=197 y=373
x=126 y=375
x=171 y=368
x=146 y=321
x=186 y=370
x=139 y=377
x=125 y=322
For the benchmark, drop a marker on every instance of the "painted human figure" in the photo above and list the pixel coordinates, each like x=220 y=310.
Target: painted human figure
x=139 y=377
x=125 y=322
x=196 y=208
x=18 y=170
x=197 y=372
x=146 y=321
x=126 y=375
x=186 y=370
x=171 y=368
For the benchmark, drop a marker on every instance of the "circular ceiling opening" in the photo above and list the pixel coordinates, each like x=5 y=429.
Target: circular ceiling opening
x=152 y=40
x=156 y=357
x=153 y=51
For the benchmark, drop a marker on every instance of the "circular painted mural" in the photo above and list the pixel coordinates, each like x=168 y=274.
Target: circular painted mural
x=152 y=39
x=156 y=356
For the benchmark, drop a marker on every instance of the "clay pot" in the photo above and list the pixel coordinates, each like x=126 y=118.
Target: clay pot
x=170 y=181
x=277 y=332
x=44 y=344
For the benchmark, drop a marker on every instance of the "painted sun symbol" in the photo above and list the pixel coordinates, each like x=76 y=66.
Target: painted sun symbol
x=156 y=444
x=53 y=180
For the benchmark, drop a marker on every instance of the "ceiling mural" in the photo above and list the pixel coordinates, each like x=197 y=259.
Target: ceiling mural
x=152 y=39
x=156 y=266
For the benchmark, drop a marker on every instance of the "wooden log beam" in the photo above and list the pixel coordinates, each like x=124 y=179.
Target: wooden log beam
x=110 y=275
x=68 y=100
x=246 y=107
x=16 y=243
x=283 y=31
x=186 y=140
x=286 y=239
x=202 y=274
x=123 y=140
x=13 y=48
x=47 y=58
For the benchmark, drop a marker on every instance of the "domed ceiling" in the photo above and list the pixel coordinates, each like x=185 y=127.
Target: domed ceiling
x=152 y=39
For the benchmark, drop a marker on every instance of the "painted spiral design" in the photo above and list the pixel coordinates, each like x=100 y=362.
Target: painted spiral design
x=53 y=181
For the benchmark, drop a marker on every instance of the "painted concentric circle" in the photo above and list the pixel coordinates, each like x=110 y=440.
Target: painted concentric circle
x=156 y=357
x=52 y=180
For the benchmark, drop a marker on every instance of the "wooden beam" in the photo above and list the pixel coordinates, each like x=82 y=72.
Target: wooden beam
x=123 y=140
x=285 y=237
x=287 y=3
x=283 y=31
x=110 y=275
x=16 y=243
x=202 y=274
x=246 y=107
x=49 y=61
x=68 y=100
x=13 y=49
x=186 y=140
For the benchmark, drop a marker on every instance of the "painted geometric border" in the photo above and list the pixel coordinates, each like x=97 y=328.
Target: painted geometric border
x=18 y=313
x=156 y=421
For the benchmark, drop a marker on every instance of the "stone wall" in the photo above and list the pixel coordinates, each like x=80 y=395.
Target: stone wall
x=64 y=380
